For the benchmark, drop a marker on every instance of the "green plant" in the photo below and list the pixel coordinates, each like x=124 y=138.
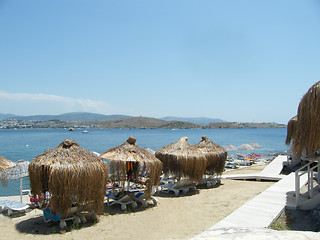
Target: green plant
x=75 y=225
x=54 y=229
x=281 y=223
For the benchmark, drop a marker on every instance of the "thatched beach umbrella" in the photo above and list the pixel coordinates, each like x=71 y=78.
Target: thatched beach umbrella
x=216 y=155
x=307 y=134
x=71 y=175
x=19 y=171
x=182 y=160
x=291 y=128
x=129 y=161
x=13 y=171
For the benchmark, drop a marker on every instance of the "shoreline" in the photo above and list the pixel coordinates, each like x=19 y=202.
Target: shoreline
x=180 y=217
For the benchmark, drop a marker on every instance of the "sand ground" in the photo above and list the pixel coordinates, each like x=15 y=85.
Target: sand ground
x=180 y=217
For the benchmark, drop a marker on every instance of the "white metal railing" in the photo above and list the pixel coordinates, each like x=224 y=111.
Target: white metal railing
x=307 y=169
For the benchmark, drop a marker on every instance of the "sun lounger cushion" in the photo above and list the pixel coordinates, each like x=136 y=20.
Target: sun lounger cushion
x=113 y=196
x=139 y=194
x=13 y=205
x=50 y=215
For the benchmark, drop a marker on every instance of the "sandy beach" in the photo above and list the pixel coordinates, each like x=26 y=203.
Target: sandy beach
x=180 y=217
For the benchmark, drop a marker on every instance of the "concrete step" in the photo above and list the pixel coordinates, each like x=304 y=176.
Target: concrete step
x=311 y=203
x=305 y=202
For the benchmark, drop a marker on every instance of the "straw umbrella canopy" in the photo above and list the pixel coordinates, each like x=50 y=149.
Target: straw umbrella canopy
x=4 y=165
x=182 y=160
x=291 y=128
x=307 y=135
x=129 y=159
x=19 y=171
x=216 y=155
x=71 y=175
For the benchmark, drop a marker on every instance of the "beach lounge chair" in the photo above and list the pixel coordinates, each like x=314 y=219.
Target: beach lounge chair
x=167 y=180
x=13 y=207
x=111 y=189
x=184 y=185
x=122 y=198
x=141 y=198
x=73 y=213
x=209 y=181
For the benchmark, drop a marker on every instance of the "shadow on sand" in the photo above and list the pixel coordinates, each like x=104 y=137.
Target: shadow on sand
x=116 y=209
x=37 y=226
x=297 y=219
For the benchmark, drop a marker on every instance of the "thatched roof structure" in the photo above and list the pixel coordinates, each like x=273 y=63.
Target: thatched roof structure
x=130 y=159
x=71 y=175
x=307 y=134
x=6 y=164
x=291 y=127
x=182 y=160
x=216 y=155
x=19 y=170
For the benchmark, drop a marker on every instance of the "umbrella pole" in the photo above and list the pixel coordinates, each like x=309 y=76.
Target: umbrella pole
x=128 y=185
x=20 y=189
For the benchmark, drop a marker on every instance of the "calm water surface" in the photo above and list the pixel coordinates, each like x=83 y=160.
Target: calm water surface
x=27 y=144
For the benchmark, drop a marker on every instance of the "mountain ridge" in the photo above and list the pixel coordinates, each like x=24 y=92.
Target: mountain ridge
x=72 y=117
x=93 y=120
x=86 y=116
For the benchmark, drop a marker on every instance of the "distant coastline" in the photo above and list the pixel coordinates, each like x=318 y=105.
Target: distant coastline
x=246 y=125
x=117 y=122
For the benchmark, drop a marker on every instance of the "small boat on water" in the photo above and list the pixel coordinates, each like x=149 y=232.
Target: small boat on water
x=85 y=131
x=71 y=129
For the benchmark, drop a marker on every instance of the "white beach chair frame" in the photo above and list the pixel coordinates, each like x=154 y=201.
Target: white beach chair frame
x=73 y=214
x=12 y=207
x=184 y=185
x=123 y=201
x=141 y=199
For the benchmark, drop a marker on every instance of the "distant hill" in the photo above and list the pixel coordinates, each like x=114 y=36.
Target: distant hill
x=75 y=116
x=199 y=120
x=140 y=122
x=85 y=116
x=93 y=120
x=6 y=116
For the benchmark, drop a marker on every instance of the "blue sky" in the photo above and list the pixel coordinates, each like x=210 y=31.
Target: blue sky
x=235 y=60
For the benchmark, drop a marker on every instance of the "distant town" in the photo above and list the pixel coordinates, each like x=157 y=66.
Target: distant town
x=97 y=121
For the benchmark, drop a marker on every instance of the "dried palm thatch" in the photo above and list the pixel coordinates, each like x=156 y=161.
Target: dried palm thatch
x=182 y=160
x=130 y=161
x=4 y=165
x=216 y=156
x=307 y=135
x=291 y=128
x=71 y=175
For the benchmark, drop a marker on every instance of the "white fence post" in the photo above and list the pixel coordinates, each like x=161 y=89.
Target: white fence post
x=297 y=188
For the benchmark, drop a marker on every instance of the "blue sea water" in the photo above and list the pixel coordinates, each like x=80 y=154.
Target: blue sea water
x=29 y=143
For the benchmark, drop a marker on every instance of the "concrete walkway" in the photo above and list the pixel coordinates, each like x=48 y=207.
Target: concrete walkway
x=270 y=172
x=256 y=234
x=264 y=208
x=260 y=211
